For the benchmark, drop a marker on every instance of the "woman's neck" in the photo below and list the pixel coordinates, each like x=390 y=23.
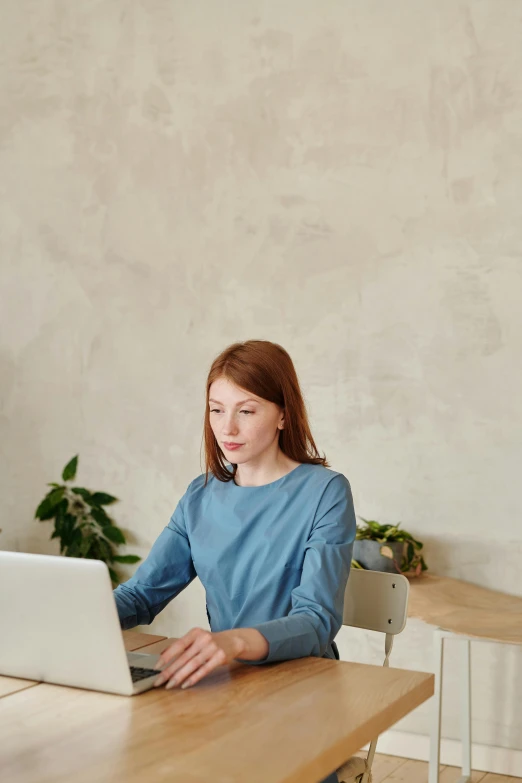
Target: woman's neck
x=252 y=474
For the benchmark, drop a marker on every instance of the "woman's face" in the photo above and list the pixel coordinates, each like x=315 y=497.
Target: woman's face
x=239 y=417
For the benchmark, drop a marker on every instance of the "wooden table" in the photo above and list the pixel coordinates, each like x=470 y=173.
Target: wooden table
x=467 y=613
x=289 y=722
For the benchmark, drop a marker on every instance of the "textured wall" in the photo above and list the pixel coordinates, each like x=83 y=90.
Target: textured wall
x=341 y=177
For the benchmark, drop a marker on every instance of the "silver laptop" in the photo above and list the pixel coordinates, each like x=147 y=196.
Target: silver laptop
x=59 y=624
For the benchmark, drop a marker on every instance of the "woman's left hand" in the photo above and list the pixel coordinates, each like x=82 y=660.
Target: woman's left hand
x=195 y=655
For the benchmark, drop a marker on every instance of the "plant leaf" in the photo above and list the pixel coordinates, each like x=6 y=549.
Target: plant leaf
x=406 y=535
x=371 y=524
x=114 y=576
x=114 y=534
x=103 y=499
x=84 y=546
x=75 y=541
x=101 y=549
x=99 y=515
x=126 y=558
x=67 y=532
x=369 y=521
x=61 y=511
x=47 y=507
x=106 y=553
x=84 y=493
x=69 y=471
x=386 y=551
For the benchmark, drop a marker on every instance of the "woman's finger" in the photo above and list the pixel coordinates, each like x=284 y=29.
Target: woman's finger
x=192 y=666
x=218 y=659
x=194 y=649
x=175 y=650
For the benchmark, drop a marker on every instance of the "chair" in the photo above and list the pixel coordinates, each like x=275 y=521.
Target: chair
x=375 y=601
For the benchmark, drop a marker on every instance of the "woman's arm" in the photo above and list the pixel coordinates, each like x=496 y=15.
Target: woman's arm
x=167 y=570
x=251 y=643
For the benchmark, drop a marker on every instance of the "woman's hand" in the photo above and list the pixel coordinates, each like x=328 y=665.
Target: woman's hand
x=196 y=654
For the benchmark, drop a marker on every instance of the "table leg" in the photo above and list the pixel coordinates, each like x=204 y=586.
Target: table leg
x=465 y=715
x=434 y=762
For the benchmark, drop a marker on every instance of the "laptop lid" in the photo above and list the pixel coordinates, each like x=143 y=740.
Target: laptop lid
x=59 y=623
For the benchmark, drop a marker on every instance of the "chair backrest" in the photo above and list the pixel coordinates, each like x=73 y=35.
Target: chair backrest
x=376 y=601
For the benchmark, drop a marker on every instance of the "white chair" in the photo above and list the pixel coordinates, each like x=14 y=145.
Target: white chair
x=376 y=601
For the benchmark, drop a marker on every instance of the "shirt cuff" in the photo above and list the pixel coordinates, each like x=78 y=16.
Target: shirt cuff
x=288 y=638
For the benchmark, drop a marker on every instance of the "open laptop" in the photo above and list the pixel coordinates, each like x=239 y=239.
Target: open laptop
x=59 y=624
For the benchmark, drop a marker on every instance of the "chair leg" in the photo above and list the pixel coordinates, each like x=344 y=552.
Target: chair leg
x=466 y=710
x=434 y=762
x=366 y=777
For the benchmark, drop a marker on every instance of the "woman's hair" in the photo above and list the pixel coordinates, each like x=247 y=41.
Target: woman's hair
x=266 y=370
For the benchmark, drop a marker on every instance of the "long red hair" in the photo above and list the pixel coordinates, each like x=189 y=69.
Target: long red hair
x=266 y=370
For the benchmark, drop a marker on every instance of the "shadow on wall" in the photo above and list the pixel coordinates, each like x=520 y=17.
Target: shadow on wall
x=492 y=563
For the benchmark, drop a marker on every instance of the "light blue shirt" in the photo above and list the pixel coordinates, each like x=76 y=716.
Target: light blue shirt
x=275 y=557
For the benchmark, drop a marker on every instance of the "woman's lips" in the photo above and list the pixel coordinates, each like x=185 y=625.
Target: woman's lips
x=232 y=446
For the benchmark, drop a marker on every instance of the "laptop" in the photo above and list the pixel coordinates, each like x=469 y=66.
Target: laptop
x=59 y=624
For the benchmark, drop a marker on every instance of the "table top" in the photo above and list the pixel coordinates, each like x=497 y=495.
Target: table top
x=465 y=608
x=291 y=722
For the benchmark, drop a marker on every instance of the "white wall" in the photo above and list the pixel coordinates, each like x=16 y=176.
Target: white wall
x=341 y=177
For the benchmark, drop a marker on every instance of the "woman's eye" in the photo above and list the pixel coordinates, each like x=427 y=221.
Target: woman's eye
x=217 y=410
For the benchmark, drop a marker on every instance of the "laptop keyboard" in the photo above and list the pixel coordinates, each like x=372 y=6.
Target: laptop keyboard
x=137 y=673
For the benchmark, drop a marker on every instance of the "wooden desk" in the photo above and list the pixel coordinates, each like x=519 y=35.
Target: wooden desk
x=290 y=722
x=467 y=613
x=467 y=609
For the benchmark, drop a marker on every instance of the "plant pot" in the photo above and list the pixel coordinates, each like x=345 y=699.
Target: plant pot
x=368 y=554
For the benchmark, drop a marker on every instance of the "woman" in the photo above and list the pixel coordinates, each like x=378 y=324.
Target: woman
x=270 y=534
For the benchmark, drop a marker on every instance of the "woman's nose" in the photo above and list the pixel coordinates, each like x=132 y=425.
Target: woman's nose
x=230 y=426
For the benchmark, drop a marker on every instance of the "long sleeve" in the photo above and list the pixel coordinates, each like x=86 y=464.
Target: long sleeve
x=161 y=577
x=317 y=603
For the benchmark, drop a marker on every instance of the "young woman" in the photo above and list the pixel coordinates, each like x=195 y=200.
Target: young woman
x=268 y=529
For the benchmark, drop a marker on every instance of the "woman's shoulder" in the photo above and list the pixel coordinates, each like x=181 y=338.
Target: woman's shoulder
x=204 y=487
x=199 y=484
x=323 y=476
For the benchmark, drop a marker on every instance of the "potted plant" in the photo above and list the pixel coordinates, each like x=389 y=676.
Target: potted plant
x=380 y=547
x=81 y=522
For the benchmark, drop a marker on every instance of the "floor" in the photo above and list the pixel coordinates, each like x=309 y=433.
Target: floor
x=392 y=769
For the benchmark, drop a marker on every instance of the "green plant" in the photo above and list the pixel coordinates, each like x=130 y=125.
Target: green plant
x=82 y=523
x=412 y=562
